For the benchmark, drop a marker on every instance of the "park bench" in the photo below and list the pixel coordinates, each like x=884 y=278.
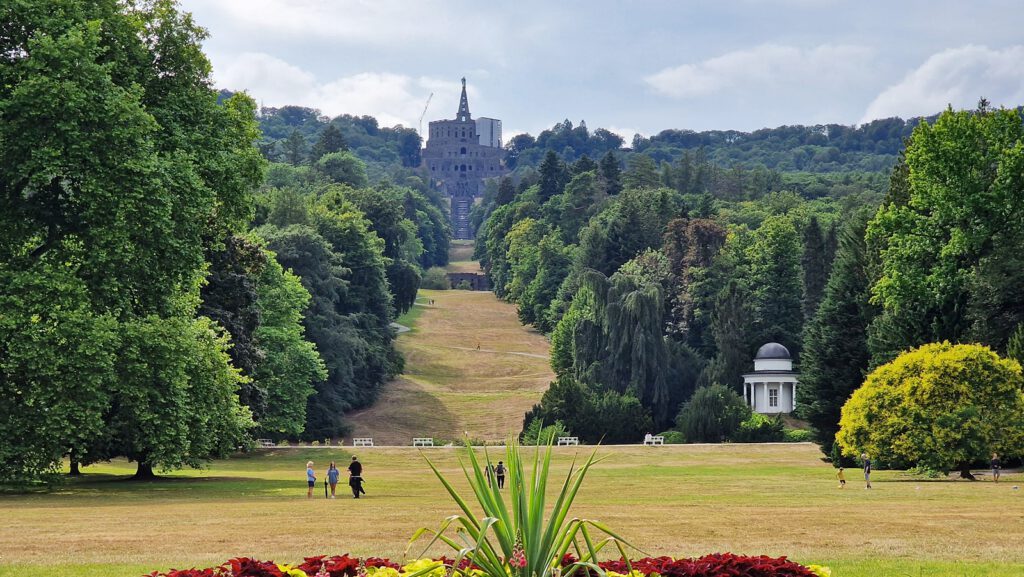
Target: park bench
x=568 y=441
x=653 y=440
x=362 y=441
x=265 y=443
x=423 y=442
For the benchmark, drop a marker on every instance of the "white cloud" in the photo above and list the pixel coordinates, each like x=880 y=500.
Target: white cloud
x=958 y=76
x=767 y=65
x=391 y=98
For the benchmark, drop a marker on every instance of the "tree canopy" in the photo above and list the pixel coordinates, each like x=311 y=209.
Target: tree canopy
x=939 y=406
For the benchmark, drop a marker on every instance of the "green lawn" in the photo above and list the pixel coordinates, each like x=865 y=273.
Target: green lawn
x=677 y=500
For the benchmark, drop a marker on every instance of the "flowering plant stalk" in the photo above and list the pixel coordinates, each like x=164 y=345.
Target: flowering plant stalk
x=520 y=537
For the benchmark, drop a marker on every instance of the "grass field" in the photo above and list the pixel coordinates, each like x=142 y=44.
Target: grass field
x=471 y=368
x=675 y=500
x=460 y=257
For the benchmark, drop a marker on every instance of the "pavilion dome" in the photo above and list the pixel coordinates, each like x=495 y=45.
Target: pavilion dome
x=772 y=351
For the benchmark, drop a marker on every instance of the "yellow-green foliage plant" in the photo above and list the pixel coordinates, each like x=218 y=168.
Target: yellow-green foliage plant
x=518 y=535
x=940 y=406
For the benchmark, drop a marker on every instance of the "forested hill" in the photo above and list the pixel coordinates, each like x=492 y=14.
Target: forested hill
x=813 y=161
x=659 y=281
x=871 y=147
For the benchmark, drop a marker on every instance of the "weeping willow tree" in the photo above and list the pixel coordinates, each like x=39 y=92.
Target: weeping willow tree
x=619 y=344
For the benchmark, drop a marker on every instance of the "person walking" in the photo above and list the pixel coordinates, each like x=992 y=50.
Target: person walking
x=996 y=465
x=499 y=474
x=310 y=479
x=867 y=469
x=355 y=477
x=332 y=477
x=842 y=478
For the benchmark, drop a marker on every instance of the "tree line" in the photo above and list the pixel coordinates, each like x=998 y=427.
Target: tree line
x=651 y=293
x=165 y=293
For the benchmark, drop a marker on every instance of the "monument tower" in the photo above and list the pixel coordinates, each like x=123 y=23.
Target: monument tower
x=460 y=154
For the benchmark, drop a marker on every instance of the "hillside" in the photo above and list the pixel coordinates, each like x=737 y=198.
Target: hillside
x=470 y=367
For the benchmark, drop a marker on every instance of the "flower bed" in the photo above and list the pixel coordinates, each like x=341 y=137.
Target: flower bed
x=714 y=565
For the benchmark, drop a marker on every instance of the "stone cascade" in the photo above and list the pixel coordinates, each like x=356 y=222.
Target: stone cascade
x=460 y=218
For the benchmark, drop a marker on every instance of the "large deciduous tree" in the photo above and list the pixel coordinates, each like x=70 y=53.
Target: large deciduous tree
x=118 y=170
x=940 y=406
x=950 y=240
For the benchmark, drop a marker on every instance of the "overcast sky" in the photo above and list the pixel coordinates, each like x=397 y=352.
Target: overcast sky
x=640 y=66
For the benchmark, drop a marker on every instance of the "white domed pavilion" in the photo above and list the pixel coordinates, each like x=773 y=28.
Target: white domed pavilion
x=771 y=388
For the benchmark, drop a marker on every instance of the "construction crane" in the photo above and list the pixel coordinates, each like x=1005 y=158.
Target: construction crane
x=425 y=107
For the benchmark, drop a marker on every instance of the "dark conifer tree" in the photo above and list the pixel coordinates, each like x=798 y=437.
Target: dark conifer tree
x=331 y=140
x=552 y=176
x=815 y=264
x=611 y=173
x=295 y=148
x=506 y=192
x=835 y=356
x=731 y=325
x=584 y=164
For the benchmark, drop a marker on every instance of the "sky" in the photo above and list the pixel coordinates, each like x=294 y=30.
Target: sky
x=630 y=67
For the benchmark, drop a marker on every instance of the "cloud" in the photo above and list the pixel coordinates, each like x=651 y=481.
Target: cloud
x=385 y=25
x=391 y=98
x=957 y=77
x=767 y=65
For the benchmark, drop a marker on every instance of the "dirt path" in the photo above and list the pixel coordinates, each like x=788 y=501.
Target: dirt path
x=470 y=367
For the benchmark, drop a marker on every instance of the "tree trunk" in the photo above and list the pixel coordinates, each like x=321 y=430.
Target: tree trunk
x=965 y=472
x=144 y=472
x=74 y=464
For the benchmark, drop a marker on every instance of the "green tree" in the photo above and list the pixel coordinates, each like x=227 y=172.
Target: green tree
x=775 y=282
x=835 y=351
x=731 y=326
x=815 y=262
x=940 y=406
x=343 y=168
x=186 y=410
x=1015 y=346
x=295 y=148
x=290 y=364
x=553 y=176
x=642 y=173
x=506 y=192
x=230 y=299
x=124 y=217
x=330 y=140
x=956 y=227
x=713 y=415
x=611 y=173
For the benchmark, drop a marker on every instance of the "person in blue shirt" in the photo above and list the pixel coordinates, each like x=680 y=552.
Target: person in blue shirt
x=332 y=477
x=310 y=479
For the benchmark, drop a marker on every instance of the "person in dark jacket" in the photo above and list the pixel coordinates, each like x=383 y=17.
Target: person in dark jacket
x=355 y=477
x=499 y=473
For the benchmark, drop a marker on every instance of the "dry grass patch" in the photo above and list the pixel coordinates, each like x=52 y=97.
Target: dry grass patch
x=470 y=368
x=676 y=500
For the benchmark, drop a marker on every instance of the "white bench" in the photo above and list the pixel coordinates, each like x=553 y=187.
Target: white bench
x=362 y=441
x=568 y=441
x=653 y=440
x=423 y=442
x=265 y=443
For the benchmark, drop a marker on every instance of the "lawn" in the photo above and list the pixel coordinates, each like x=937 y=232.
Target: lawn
x=675 y=500
x=470 y=367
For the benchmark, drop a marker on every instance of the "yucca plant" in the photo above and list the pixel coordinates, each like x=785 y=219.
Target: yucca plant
x=520 y=536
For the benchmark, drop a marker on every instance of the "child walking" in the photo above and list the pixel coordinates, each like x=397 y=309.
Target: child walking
x=842 y=478
x=310 y=479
